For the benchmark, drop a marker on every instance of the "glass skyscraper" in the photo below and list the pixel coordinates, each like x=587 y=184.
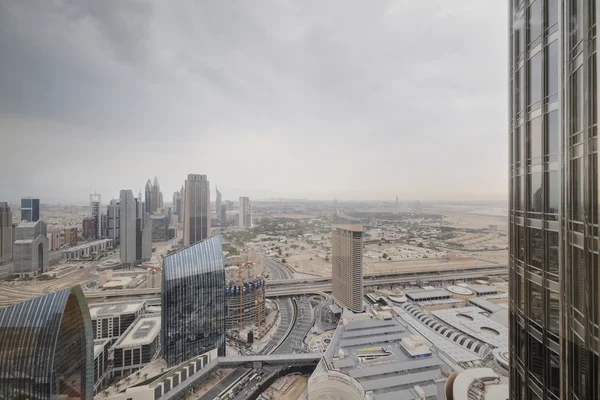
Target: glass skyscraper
x=46 y=348
x=554 y=277
x=30 y=209
x=193 y=301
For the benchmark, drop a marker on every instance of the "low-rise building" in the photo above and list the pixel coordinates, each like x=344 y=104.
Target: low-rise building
x=86 y=249
x=111 y=320
x=138 y=346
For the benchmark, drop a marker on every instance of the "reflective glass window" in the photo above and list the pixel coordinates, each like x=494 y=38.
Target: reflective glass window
x=576 y=108
x=578 y=189
x=552 y=245
x=537 y=357
x=578 y=279
x=536 y=303
x=552 y=68
x=534 y=138
x=535 y=79
x=535 y=21
x=552 y=139
x=551 y=13
x=536 y=248
x=534 y=183
x=553 y=192
x=553 y=312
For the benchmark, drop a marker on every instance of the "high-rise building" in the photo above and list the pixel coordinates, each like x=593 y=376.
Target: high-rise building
x=229 y=204
x=129 y=227
x=6 y=233
x=89 y=228
x=54 y=239
x=103 y=225
x=178 y=204
x=148 y=197
x=155 y=195
x=193 y=301
x=160 y=226
x=46 y=351
x=223 y=216
x=218 y=204
x=347 y=262
x=95 y=213
x=113 y=221
x=30 y=249
x=245 y=213
x=30 y=209
x=554 y=275
x=71 y=236
x=160 y=200
x=196 y=222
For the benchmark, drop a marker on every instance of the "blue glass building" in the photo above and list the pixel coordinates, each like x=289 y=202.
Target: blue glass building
x=193 y=301
x=30 y=209
x=46 y=348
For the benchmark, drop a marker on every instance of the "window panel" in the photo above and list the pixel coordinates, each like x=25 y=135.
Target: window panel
x=536 y=358
x=553 y=312
x=536 y=248
x=576 y=108
x=552 y=139
x=534 y=184
x=536 y=303
x=578 y=187
x=552 y=68
x=551 y=13
x=578 y=280
x=535 y=79
x=534 y=138
x=552 y=192
x=552 y=245
x=535 y=20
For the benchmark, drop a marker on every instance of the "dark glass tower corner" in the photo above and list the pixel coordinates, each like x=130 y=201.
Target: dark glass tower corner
x=193 y=301
x=554 y=278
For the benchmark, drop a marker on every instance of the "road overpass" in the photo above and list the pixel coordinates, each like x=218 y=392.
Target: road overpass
x=290 y=287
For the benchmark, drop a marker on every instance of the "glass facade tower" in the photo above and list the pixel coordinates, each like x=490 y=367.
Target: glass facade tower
x=554 y=277
x=193 y=301
x=46 y=348
x=30 y=209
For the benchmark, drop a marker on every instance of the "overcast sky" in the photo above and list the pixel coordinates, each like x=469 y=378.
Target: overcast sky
x=315 y=99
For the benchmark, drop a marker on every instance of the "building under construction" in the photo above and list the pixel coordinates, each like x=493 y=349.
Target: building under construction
x=245 y=291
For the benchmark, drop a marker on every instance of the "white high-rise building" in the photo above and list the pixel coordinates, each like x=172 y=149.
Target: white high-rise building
x=347 y=263
x=128 y=230
x=218 y=204
x=245 y=212
x=95 y=212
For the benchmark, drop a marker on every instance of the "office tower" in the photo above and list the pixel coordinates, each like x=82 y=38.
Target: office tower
x=160 y=200
x=54 y=239
x=223 y=216
x=193 y=301
x=89 y=228
x=160 y=226
x=46 y=351
x=245 y=213
x=347 y=262
x=30 y=249
x=71 y=236
x=155 y=195
x=196 y=221
x=229 y=204
x=129 y=228
x=218 y=204
x=30 y=209
x=554 y=277
x=95 y=213
x=177 y=204
x=103 y=225
x=6 y=233
x=113 y=221
x=148 y=197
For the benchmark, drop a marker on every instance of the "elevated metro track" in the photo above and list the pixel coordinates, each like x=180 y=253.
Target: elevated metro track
x=314 y=285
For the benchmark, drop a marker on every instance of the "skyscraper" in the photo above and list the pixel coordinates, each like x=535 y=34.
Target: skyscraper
x=155 y=195
x=223 y=215
x=245 y=213
x=129 y=228
x=46 y=351
x=30 y=209
x=196 y=222
x=6 y=233
x=347 y=262
x=113 y=222
x=95 y=213
x=554 y=276
x=178 y=204
x=218 y=204
x=193 y=301
x=89 y=228
x=30 y=249
x=148 y=197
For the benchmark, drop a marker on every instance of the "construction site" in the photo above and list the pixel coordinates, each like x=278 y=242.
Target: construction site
x=245 y=291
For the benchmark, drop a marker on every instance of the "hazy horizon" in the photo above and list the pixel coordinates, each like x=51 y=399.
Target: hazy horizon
x=314 y=100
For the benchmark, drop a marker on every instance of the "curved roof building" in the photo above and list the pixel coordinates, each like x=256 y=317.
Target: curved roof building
x=46 y=348
x=193 y=301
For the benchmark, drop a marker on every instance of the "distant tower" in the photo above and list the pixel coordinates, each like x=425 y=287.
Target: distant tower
x=113 y=222
x=30 y=209
x=95 y=213
x=347 y=262
x=155 y=195
x=196 y=221
x=148 y=197
x=245 y=213
x=30 y=249
x=128 y=231
x=6 y=233
x=218 y=203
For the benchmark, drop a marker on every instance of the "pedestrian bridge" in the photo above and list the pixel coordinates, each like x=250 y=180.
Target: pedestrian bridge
x=258 y=361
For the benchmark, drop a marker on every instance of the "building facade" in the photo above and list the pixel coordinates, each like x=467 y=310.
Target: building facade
x=46 y=351
x=113 y=222
x=160 y=226
x=6 y=233
x=30 y=209
x=218 y=204
x=89 y=228
x=54 y=239
x=347 y=263
x=30 y=249
x=71 y=236
x=193 y=301
x=148 y=197
x=138 y=346
x=156 y=195
x=554 y=276
x=223 y=215
x=196 y=221
x=245 y=213
x=95 y=213
x=128 y=228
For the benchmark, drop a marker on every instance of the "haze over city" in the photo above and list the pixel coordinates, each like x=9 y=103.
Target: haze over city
x=353 y=100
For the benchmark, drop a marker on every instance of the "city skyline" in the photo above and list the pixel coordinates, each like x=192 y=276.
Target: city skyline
x=308 y=80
